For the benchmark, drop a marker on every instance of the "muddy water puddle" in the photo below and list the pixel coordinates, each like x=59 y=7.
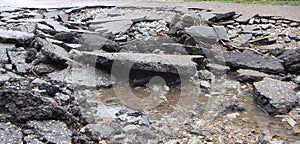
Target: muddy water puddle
x=160 y=102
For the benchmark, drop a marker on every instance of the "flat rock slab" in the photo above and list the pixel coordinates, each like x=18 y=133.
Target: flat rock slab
x=54 y=52
x=16 y=37
x=209 y=35
x=250 y=60
x=274 y=96
x=57 y=26
x=91 y=42
x=176 y=64
x=250 y=76
x=291 y=58
x=114 y=27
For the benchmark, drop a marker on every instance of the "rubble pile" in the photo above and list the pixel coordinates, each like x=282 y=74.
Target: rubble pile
x=61 y=70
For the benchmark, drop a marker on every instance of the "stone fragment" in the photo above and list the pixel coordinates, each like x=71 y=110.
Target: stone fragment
x=27 y=27
x=91 y=42
x=55 y=53
x=294 y=24
x=30 y=55
x=131 y=128
x=274 y=96
x=114 y=27
x=51 y=131
x=16 y=37
x=42 y=68
x=98 y=131
x=250 y=76
x=218 y=69
x=185 y=21
x=3 y=52
x=210 y=35
x=291 y=59
x=45 y=28
x=222 y=17
x=250 y=60
x=244 y=18
x=264 y=41
x=175 y=64
x=18 y=59
x=57 y=26
x=65 y=36
x=7 y=76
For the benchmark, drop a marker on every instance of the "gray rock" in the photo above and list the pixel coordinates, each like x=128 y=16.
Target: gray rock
x=16 y=37
x=244 y=18
x=297 y=80
x=291 y=57
x=218 y=69
x=263 y=41
x=57 y=26
x=38 y=82
x=250 y=76
x=27 y=27
x=30 y=55
x=131 y=128
x=52 y=131
x=3 y=52
x=10 y=133
x=250 y=60
x=147 y=134
x=8 y=66
x=18 y=59
x=114 y=27
x=7 y=76
x=66 y=46
x=91 y=42
x=42 y=68
x=55 y=53
x=83 y=78
x=65 y=36
x=294 y=24
x=195 y=132
x=221 y=33
x=210 y=35
x=206 y=75
x=274 y=96
x=98 y=131
x=144 y=121
x=295 y=68
x=62 y=99
x=45 y=28
x=204 y=84
x=186 y=21
x=175 y=64
x=222 y=17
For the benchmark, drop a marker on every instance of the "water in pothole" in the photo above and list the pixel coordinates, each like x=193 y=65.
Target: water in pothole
x=160 y=103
